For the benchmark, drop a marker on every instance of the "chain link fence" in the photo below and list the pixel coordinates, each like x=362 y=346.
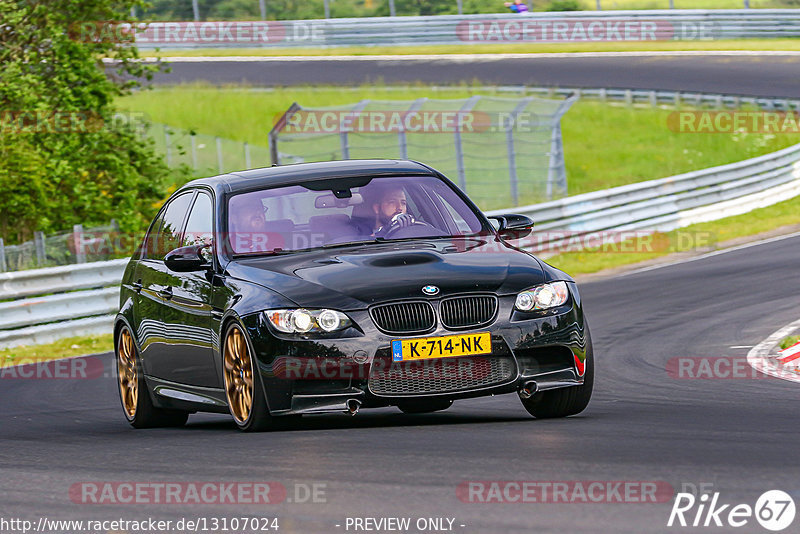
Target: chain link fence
x=99 y=243
x=501 y=151
x=206 y=155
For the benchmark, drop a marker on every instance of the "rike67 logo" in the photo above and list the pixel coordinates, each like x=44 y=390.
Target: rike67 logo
x=774 y=510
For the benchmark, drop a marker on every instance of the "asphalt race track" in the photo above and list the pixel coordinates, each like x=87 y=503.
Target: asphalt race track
x=753 y=75
x=643 y=424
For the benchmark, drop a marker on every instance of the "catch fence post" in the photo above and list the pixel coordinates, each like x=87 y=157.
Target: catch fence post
x=194 y=151
x=38 y=243
x=77 y=240
x=2 y=256
x=219 y=154
x=166 y=145
x=512 y=156
x=466 y=108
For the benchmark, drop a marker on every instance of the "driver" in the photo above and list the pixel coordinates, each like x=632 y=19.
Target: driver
x=391 y=211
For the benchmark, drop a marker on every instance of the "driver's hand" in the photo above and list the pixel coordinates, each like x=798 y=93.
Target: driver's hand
x=402 y=220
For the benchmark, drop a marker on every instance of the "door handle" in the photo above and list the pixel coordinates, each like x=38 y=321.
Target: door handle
x=137 y=285
x=166 y=292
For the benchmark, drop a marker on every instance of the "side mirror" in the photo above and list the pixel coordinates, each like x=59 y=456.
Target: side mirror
x=187 y=259
x=513 y=226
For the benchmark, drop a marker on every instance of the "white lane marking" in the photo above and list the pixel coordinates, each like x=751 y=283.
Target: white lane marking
x=741 y=347
x=712 y=254
x=758 y=357
x=466 y=58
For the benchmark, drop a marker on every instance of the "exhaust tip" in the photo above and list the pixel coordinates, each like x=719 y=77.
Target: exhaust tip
x=528 y=389
x=353 y=406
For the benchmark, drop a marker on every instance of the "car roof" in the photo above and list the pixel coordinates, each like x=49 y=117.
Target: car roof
x=304 y=172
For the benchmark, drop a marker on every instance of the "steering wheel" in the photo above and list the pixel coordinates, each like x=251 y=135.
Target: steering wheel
x=413 y=230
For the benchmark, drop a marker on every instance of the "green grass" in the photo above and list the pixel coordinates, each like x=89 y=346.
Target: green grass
x=605 y=145
x=789 y=341
x=498 y=48
x=63 y=348
x=703 y=237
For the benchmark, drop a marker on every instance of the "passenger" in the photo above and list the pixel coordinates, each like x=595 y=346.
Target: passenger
x=248 y=225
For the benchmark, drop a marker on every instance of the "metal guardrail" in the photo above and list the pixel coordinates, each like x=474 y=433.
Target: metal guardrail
x=571 y=27
x=81 y=299
x=669 y=203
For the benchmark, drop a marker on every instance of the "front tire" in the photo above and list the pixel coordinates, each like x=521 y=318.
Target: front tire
x=243 y=388
x=133 y=393
x=565 y=401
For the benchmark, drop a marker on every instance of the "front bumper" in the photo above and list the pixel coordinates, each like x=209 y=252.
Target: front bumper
x=321 y=375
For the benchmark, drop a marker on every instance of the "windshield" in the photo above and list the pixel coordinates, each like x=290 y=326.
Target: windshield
x=350 y=210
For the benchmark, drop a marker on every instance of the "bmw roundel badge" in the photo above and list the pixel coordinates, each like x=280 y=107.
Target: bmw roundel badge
x=430 y=290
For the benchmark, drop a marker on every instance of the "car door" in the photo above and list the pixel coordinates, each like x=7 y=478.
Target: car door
x=187 y=313
x=156 y=289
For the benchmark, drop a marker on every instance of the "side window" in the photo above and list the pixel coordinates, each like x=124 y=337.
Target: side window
x=200 y=228
x=169 y=235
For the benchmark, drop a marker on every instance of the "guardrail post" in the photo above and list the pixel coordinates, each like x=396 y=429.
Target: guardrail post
x=392 y=12
x=327 y=7
x=466 y=108
x=77 y=240
x=599 y=7
x=2 y=256
x=38 y=243
x=262 y=8
x=219 y=154
x=460 y=5
x=628 y=97
x=603 y=94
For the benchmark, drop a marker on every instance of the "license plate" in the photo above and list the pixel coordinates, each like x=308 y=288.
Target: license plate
x=404 y=350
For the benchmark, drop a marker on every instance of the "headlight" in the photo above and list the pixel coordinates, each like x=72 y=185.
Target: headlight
x=301 y=321
x=543 y=297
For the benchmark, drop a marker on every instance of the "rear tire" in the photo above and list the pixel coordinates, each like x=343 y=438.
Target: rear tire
x=417 y=406
x=565 y=401
x=133 y=393
x=243 y=387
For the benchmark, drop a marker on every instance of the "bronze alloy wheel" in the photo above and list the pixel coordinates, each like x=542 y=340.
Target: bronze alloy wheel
x=238 y=375
x=127 y=372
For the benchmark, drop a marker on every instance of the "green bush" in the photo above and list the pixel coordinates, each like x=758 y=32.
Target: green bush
x=56 y=174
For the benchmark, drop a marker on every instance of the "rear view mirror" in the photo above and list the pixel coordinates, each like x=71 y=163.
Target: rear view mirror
x=332 y=201
x=187 y=259
x=513 y=226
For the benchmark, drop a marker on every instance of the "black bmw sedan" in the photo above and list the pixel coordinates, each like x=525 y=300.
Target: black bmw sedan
x=331 y=287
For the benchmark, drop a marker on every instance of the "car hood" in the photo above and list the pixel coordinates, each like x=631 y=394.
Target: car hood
x=354 y=277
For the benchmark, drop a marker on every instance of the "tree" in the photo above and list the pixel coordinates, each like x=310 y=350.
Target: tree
x=64 y=159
